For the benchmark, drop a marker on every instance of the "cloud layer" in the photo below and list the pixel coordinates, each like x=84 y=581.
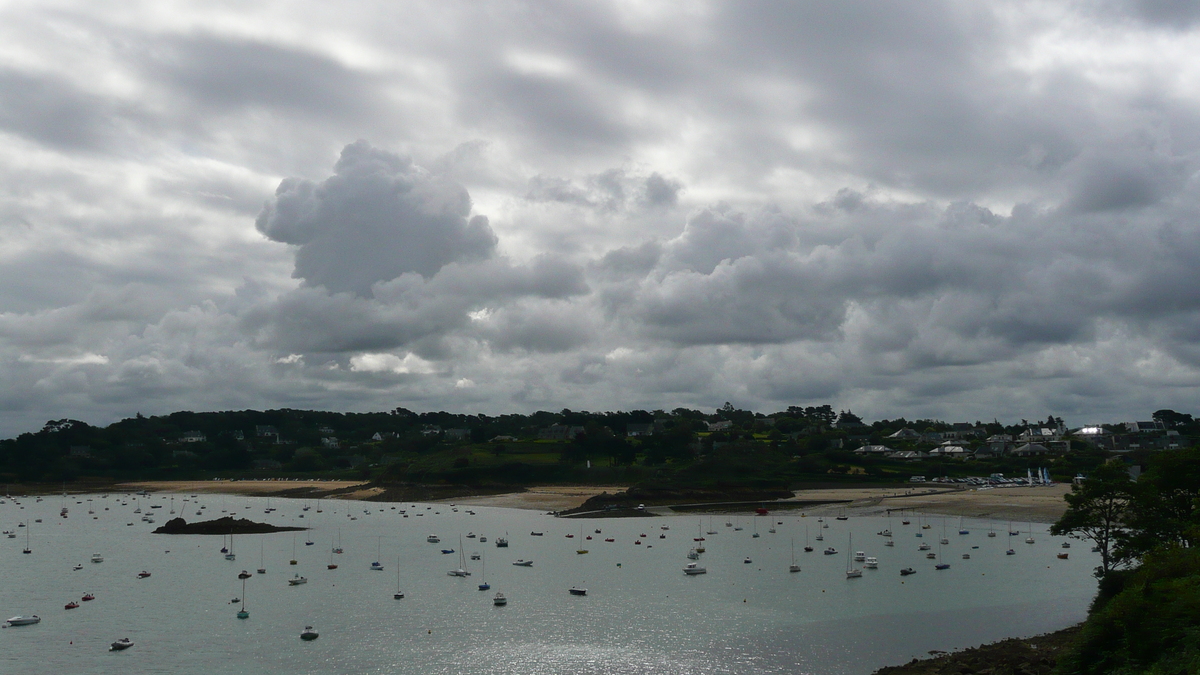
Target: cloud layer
x=945 y=210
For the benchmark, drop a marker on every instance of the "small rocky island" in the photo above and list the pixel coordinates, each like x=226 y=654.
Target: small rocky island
x=226 y=525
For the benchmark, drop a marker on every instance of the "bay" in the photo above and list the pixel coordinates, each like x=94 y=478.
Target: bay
x=641 y=613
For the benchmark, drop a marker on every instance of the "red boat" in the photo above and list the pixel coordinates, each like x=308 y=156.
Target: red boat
x=89 y=596
x=71 y=605
x=761 y=511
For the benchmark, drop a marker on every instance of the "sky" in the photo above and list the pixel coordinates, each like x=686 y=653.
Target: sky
x=964 y=211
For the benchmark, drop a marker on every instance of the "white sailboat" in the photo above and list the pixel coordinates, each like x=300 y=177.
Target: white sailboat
x=851 y=571
x=262 y=557
x=398 y=595
x=377 y=566
x=461 y=571
x=793 y=567
x=484 y=585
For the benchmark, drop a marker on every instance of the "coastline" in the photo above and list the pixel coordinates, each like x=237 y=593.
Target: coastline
x=1036 y=655
x=1021 y=504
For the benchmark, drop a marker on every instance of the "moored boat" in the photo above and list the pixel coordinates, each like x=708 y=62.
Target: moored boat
x=693 y=569
x=309 y=633
x=119 y=645
x=23 y=620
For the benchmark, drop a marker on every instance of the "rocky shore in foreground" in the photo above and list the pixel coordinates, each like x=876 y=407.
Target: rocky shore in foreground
x=1016 y=656
x=226 y=525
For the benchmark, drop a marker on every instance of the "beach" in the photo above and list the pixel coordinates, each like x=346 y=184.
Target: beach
x=1043 y=504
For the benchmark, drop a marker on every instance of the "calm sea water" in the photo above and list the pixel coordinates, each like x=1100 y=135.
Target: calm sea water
x=641 y=613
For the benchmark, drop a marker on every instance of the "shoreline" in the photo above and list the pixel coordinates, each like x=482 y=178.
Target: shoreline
x=1043 y=504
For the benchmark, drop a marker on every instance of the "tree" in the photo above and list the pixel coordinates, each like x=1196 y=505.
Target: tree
x=1165 y=508
x=1096 y=511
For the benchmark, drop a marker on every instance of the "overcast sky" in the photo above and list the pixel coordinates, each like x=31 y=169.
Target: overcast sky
x=946 y=209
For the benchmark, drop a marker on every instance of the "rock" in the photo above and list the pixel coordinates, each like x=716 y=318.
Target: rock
x=226 y=525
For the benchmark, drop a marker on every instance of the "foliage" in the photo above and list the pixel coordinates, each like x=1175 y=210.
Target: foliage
x=1096 y=511
x=1148 y=627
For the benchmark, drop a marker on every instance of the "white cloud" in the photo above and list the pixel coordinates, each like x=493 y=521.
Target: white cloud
x=940 y=209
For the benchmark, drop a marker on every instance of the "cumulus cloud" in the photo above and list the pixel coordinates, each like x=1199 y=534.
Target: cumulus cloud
x=378 y=217
x=963 y=211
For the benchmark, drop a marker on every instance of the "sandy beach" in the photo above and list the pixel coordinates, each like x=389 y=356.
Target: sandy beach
x=1022 y=504
x=250 y=488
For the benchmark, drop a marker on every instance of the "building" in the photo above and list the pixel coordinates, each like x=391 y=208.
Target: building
x=266 y=430
x=881 y=450
x=559 y=432
x=330 y=442
x=639 y=429
x=906 y=434
x=720 y=426
x=192 y=437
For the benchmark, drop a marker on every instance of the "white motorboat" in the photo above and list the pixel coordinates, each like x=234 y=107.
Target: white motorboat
x=433 y=539
x=97 y=558
x=693 y=555
x=501 y=542
x=118 y=645
x=309 y=633
x=23 y=620
x=924 y=547
x=297 y=580
x=859 y=556
x=499 y=600
x=377 y=566
x=694 y=568
x=524 y=563
x=871 y=563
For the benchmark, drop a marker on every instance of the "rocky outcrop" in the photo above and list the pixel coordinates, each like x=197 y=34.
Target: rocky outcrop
x=226 y=525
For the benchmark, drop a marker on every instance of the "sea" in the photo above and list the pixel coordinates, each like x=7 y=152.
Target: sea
x=641 y=614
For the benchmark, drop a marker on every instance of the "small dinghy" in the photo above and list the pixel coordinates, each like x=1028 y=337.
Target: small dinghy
x=309 y=633
x=119 y=645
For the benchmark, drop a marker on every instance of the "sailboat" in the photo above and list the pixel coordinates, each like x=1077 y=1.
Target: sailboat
x=27 y=549
x=242 y=613
x=851 y=571
x=398 y=595
x=462 y=562
x=944 y=540
x=293 y=561
x=793 y=567
x=807 y=548
x=961 y=529
x=262 y=557
x=579 y=551
x=377 y=566
x=941 y=565
x=230 y=555
x=1029 y=539
x=332 y=565
x=484 y=585
x=755 y=521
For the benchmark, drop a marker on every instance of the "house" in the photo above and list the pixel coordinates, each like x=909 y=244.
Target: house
x=192 y=437
x=906 y=434
x=458 y=434
x=502 y=439
x=949 y=451
x=238 y=434
x=1000 y=443
x=559 y=432
x=326 y=430
x=330 y=442
x=384 y=435
x=1030 y=449
x=639 y=429
x=431 y=430
x=1145 y=427
x=721 y=425
x=266 y=430
x=908 y=455
x=882 y=450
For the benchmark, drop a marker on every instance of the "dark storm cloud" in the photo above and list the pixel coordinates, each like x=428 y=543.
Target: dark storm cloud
x=378 y=217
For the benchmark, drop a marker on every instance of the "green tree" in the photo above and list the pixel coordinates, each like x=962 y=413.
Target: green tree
x=1165 y=505
x=1096 y=511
